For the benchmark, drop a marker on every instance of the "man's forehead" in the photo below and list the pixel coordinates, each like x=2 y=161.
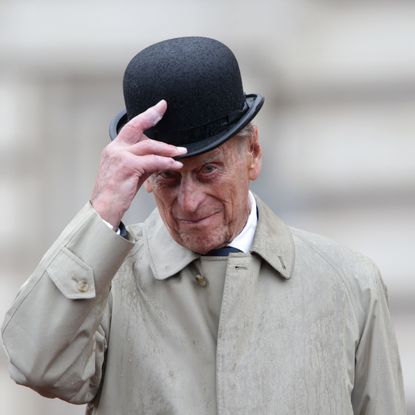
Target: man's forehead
x=218 y=153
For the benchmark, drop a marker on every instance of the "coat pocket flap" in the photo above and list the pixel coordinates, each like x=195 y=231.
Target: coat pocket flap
x=73 y=277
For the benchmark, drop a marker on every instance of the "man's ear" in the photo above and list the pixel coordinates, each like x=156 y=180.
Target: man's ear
x=255 y=155
x=148 y=185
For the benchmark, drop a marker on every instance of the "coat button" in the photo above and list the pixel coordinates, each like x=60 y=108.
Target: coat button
x=201 y=280
x=83 y=286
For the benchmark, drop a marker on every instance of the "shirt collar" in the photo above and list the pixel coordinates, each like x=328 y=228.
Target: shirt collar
x=244 y=240
x=272 y=241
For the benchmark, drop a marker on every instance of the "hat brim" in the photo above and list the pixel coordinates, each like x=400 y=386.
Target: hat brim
x=254 y=103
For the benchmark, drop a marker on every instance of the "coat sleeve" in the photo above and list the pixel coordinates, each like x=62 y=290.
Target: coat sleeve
x=378 y=387
x=55 y=334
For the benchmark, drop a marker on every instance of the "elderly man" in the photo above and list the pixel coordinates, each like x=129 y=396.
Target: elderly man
x=212 y=305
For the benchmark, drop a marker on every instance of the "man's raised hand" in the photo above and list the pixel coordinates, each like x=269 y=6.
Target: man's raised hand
x=128 y=161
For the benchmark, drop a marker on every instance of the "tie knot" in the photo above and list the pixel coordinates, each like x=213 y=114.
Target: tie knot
x=225 y=251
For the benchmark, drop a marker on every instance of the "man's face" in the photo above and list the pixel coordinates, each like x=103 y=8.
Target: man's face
x=205 y=204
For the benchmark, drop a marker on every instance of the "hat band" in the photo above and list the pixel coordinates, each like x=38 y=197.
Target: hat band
x=200 y=132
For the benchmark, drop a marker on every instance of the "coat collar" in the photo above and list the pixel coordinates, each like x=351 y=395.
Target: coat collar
x=166 y=256
x=273 y=242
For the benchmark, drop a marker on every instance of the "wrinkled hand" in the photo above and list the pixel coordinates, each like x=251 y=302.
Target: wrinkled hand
x=128 y=161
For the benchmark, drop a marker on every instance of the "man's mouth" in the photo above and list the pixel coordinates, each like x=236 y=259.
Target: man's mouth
x=201 y=220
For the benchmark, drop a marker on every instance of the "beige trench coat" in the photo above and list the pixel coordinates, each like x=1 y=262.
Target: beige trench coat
x=304 y=326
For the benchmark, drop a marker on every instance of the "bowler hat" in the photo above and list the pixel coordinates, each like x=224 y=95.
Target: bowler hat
x=200 y=79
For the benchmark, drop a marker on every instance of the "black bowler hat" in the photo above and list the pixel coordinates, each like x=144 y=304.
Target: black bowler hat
x=200 y=80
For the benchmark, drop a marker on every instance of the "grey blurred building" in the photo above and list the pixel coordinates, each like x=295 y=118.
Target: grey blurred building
x=337 y=128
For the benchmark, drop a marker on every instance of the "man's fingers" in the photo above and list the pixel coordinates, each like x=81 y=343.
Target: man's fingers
x=150 y=163
x=132 y=132
x=149 y=146
x=133 y=135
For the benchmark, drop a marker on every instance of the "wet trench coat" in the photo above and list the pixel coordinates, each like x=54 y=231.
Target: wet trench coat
x=304 y=326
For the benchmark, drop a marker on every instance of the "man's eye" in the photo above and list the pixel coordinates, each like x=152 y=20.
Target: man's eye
x=167 y=174
x=208 y=168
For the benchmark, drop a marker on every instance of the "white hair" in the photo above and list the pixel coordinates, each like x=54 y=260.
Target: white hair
x=247 y=131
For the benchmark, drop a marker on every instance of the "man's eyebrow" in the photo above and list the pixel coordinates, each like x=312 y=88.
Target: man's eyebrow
x=210 y=159
x=215 y=156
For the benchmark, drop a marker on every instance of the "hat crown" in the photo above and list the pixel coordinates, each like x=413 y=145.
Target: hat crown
x=198 y=77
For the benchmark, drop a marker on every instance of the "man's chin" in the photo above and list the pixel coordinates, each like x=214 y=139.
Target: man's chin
x=201 y=245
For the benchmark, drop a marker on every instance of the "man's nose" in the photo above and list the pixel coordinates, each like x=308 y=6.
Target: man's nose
x=190 y=196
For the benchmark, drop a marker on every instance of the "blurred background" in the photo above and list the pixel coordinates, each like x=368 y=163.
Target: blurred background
x=338 y=126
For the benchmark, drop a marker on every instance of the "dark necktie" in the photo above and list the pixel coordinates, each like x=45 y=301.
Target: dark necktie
x=225 y=251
